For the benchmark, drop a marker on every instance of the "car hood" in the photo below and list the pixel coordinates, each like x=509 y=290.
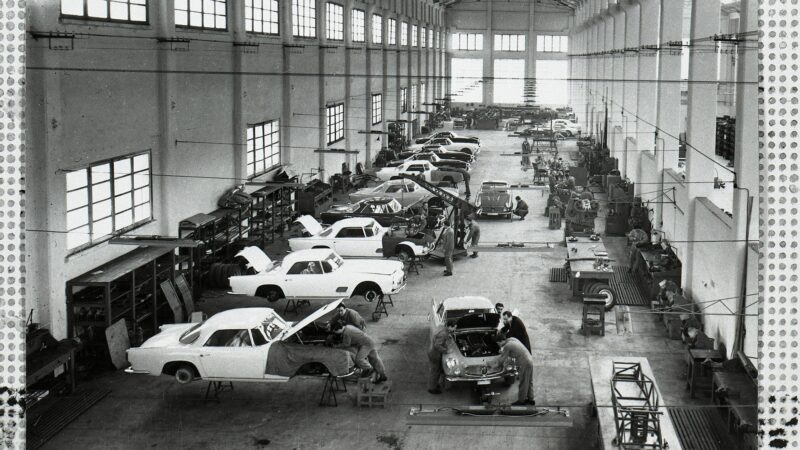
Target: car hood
x=480 y=320
x=310 y=224
x=297 y=326
x=341 y=209
x=167 y=336
x=256 y=258
x=371 y=266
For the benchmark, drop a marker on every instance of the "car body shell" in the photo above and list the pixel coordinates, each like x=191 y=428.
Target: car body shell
x=188 y=343
x=470 y=147
x=407 y=192
x=385 y=210
x=423 y=169
x=436 y=160
x=456 y=366
x=494 y=198
x=344 y=237
x=339 y=278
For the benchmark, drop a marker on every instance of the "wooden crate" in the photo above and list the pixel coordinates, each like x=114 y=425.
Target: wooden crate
x=371 y=395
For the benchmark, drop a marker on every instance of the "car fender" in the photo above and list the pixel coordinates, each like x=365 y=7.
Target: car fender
x=415 y=247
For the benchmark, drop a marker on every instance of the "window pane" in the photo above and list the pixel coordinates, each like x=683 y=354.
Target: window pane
x=119 y=10
x=72 y=7
x=122 y=184
x=123 y=202
x=76 y=179
x=97 y=8
x=78 y=237
x=101 y=209
x=77 y=198
x=138 y=13
x=123 y=219
x=101 y=173
x=101 y=191
x=77 y=218
x=142 y=212
x=101 y=228
x=141 y=162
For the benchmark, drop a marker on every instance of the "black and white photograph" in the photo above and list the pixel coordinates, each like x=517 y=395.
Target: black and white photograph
x=399 y=224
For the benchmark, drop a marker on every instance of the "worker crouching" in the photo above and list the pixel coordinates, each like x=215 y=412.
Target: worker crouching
x=513 y=348
x=367 y=358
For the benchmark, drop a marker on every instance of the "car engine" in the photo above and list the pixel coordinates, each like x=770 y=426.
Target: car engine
x=477 y=344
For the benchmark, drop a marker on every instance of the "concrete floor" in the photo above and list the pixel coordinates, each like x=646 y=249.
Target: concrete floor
x=149 y=412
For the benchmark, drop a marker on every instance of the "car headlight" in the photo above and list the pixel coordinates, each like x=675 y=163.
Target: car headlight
x=453 y=365
x=511 y=365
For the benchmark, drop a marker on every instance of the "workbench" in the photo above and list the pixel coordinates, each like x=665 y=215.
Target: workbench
x=581 y=254
x=601 y=371
x=740 y=406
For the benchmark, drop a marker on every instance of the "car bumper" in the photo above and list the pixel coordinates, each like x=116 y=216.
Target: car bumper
x=495 y=213
x=399 y=288
x=141 y=372
x=481 y=378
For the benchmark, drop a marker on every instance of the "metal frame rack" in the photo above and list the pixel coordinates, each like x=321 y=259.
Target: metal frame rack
x=635 y=404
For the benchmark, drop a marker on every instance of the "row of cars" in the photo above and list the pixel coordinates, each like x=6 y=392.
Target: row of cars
x=353 y=250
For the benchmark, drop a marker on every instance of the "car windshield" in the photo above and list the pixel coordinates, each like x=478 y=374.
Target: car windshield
x=272 y=326
x=335 y=261
x=191 y=334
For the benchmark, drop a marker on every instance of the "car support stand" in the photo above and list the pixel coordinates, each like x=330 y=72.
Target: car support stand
x=380 y=307
x=217 y=386
x=333 y=384
x=293 y=305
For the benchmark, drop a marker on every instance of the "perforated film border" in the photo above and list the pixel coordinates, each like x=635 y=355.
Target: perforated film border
x=778 y=268
x=12 y=270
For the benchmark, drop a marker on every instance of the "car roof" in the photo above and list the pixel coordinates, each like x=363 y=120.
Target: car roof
x=239 y=318
x=354 y=222
x=313 y=254
x=467 y=302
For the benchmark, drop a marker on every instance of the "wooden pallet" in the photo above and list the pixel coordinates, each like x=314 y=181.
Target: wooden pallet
x=370 y=394
x=558 y=275
x=627 y=289
x=42 y=428
x=698 y=429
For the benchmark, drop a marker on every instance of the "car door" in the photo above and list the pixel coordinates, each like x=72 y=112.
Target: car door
x=305 y=279
x=352 y=242
x=230 y=354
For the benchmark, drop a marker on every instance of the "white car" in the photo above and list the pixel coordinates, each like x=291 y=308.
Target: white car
x=566 y=126
x=405 y=191
x=245 y=344
x=422 y=169
x=466 y=147
x=359 y=237
x=317 y=274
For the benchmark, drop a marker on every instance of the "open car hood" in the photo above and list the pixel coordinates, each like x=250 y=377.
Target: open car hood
x=256 y=258
x=297 y=326
x=478 y=320
x=310 y=224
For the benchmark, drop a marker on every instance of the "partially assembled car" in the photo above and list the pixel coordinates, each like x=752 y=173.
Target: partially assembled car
x=436 y=160
x=494 y=199
x=318 y=274
x=385 y=210
x=467 y=147
x=405 y=191
x=361 y=237
x=422 y=169
x=472 y=354
x=245 y=344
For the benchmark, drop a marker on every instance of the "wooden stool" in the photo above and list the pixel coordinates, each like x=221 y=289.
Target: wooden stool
x=380 y=307
x=555 y=217
x=594 y=316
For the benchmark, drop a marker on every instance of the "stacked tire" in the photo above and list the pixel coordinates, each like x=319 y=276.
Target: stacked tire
x=218 y=274
x=601 y=288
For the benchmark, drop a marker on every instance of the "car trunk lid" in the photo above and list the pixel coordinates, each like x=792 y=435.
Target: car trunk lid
x=256 y=258
x=310 y=224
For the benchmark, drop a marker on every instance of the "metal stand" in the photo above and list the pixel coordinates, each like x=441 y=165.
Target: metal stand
x=413 y=265
x=332 y=386
x=380 y=307
x=217 y=386
x=293 y=305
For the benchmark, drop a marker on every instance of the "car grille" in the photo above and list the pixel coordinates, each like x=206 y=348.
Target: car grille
x=480 y=371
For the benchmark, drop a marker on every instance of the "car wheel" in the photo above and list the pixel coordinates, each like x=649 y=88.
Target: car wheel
x=404 y=255
x=604 y=289
x=509 y=380
x=371 y=294
x=272 y=294
x=185 y=374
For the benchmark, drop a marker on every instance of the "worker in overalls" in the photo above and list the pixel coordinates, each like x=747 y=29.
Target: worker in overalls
x=513 y=348
x=526 y=151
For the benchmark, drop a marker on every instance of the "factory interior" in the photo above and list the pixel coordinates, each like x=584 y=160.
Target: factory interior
x=392 y=224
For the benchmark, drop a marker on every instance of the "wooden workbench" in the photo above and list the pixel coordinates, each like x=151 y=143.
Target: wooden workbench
x=600 y=370
x=585 y=251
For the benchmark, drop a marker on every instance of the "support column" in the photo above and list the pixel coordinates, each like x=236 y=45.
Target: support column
x=488 y=57
x=630 y=93
x=239 y=128
x=615 y=113
x=668 y=111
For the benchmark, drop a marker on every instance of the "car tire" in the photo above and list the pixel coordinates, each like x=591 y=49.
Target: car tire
x=603 y=289
x=509 y=380
x=185 y=374
x=404 y=255
x=270 y=293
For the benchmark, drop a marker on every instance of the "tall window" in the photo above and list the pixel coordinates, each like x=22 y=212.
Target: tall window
x=107 y=198
x=546 y=43
x=335 y=123
x=404 y=33
x=423 y=37
x=261 y=16
x=414 y=100
x=391 y=32
x=414 y=36
x=509 y=42
x=115 y=10
x=377 y=108
x=509 y=81
x=467 y=41
x=358 y=26
x=403 y=100
x=263 y=147
x=439 y=42
x=423 y=93
x=552 y=85
x=206 y=14
x=334 y=21
x=304 y=18
x=377 y=29
x=465 y=80
x=430 y=38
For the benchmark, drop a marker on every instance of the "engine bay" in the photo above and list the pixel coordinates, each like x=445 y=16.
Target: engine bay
x=476 y=344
